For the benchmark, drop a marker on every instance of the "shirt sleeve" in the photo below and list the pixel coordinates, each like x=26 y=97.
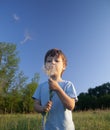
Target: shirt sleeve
x=37 y=94
x=71 y=91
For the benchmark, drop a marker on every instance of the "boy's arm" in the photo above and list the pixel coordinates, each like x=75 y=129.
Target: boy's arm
x=40 y=109
x=67 y=101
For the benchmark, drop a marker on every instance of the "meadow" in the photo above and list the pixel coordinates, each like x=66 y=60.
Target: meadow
x=86 y=120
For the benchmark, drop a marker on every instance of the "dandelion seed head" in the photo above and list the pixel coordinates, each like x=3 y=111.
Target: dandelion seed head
x=49 y=69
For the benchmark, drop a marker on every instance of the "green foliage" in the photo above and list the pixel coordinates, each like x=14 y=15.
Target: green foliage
x=27 y=97
x=99 y=91
x=8 y=65
x=36 y=78
x=96 y=98
x=18 y=100
x=15 y=93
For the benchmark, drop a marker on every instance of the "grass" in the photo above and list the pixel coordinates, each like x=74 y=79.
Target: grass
x=20 y=122
x=92 y=120
x=87 y=120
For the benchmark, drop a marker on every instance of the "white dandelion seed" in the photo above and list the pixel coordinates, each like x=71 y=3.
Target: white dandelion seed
x=49 y=69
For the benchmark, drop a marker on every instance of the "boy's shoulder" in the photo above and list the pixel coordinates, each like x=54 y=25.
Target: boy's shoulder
x=67 y=81
x=45 y=83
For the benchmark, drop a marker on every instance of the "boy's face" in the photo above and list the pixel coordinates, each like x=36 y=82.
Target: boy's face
x=54 y=65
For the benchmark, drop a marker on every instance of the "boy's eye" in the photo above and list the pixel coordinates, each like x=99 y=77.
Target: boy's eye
x=56 y=60
x=49 y=60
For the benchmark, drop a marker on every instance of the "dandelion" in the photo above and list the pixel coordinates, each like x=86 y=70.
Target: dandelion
x=49 y=70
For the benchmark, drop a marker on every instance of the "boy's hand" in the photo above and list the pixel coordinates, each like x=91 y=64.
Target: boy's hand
x=53 y=85
x=48 y=106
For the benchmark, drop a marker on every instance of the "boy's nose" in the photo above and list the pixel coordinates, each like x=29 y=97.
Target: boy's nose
x=53 y=61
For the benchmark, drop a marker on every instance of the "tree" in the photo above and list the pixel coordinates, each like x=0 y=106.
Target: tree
x=96 y=98
x=8 y=65
x=99 y=91
x=16 y=93
x=36 y=78
x=27 y=96
x=19 y=81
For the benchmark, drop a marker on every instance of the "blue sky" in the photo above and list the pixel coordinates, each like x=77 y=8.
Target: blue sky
x=81 y=28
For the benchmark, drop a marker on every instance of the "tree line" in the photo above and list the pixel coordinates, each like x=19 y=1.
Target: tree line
x=16 y=93
x=95 y=98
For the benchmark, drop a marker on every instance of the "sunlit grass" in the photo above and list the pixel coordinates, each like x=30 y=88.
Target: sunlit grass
x=92 y=120
x=87 y=120
x=20 y=122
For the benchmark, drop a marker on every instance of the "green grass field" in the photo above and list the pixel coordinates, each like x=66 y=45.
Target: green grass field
x=92 y=120
x=87 y=120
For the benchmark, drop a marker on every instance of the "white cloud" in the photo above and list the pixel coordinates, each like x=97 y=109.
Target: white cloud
x=27 y=37
x=16 y=17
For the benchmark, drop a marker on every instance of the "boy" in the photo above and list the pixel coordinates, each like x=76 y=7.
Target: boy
x=56 y=96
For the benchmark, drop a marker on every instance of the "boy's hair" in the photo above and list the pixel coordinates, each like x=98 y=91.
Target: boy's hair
x=56 y=52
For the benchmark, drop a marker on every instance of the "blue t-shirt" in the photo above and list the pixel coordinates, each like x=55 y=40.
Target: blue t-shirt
x=59 y=117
